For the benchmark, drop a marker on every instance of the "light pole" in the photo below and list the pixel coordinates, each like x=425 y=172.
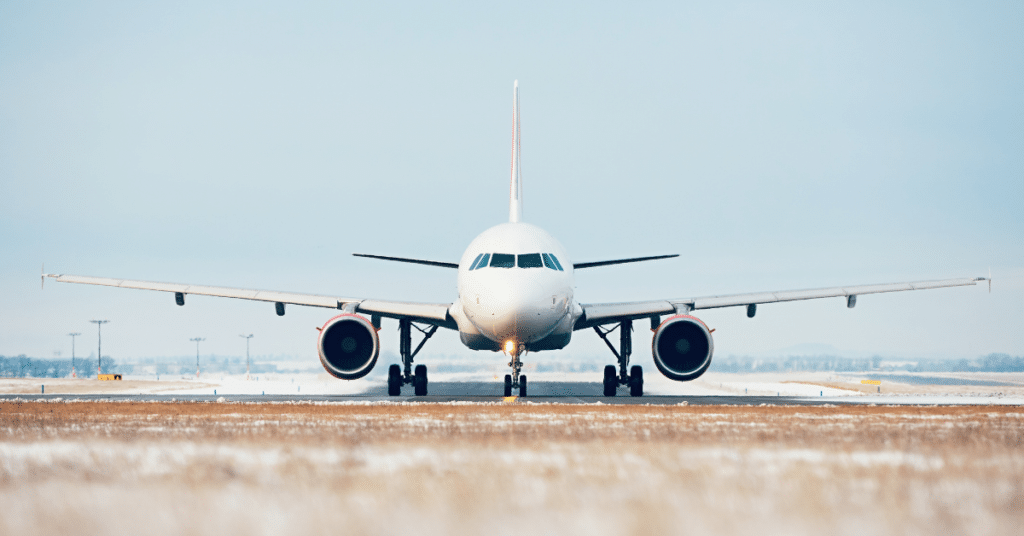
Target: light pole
x=246 y=337
x=99 y=345
x=73 y=335
x=197 y=340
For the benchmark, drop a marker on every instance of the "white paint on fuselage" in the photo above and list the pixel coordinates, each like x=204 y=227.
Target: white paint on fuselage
x=522 y=305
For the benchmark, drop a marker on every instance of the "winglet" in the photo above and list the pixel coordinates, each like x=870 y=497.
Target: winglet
x=515 y=204
x=990 y=280
x=42 y=276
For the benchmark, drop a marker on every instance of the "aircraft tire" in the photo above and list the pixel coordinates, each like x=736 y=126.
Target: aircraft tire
x=611 y=381
x=508 y=385
x=419 y=380
x=522 y=385
x=394 y=380
x=636 y=381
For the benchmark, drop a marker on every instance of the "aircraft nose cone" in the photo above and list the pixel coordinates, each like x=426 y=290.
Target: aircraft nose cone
x=519 y=312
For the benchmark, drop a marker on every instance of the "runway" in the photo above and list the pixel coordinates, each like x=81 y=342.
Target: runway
x=540 y=392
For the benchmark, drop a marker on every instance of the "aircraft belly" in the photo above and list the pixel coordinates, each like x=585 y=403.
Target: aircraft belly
x=523 y=326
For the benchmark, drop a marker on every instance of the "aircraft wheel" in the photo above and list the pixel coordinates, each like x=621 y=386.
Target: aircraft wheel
x=611 y=380
x=508 y=385
x=522 y=385
x=419 y=380
x=636 y=381
x=394 y=380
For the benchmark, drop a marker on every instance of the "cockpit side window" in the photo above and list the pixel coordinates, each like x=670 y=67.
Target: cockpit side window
x=480 y=261
x=555 y=260
x=476 y=262
x=530 y=260
x=503 y=260
x=548 y=262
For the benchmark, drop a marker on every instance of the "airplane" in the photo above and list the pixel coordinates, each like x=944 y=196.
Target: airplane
x=516 y=296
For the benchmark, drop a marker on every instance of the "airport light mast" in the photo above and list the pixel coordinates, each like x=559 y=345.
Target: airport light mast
x=99 y=345
x=73 y=335
x=197 y=340
x=246 y=337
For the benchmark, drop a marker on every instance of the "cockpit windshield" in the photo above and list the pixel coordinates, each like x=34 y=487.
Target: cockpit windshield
x=503 y=260
x=509 y=260
x=529 y=260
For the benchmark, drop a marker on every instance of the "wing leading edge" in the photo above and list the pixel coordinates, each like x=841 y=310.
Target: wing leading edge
x=604 y=313
x=408 y=260
x=433 y=313
x=594 y=264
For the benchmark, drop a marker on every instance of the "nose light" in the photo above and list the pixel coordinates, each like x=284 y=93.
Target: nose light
x=510 y=346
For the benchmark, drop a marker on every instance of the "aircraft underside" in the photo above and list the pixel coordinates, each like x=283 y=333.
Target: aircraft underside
x=682 y=350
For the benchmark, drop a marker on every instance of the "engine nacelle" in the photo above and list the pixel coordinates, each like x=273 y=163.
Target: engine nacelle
x=348 y=346
x=682 y=348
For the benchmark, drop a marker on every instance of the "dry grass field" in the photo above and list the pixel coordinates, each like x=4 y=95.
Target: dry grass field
x=238 y=468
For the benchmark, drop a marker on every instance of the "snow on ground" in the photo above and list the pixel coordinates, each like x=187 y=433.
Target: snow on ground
x=279 y=384
x=824 y=386
x=720 y=384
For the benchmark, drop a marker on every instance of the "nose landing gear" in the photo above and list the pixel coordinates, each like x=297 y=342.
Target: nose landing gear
x=396 y=377
x=516 y=380
x=612 y=378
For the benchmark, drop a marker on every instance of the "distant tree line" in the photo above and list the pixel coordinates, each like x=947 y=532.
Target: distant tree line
x=207 y=364
x=85 y=367
x=31 y=367
x=790 y=364
x=988 y=363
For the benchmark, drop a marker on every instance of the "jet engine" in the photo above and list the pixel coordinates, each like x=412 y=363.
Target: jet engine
x=682 y=348
x=348 y=346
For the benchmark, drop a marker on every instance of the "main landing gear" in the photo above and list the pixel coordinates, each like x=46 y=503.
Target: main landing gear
x=396 y=376
x=612 y=378
x=516 y=380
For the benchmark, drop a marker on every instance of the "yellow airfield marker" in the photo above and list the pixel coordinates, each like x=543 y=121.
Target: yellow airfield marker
x=510 y=399
x=871 y=382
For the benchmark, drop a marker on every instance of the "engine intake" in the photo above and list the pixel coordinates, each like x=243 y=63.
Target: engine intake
x=682 y=348
x=348 y=346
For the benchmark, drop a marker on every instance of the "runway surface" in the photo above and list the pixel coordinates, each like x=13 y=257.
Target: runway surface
x=539 y=393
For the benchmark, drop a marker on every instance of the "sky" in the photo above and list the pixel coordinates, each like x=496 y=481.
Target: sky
x=258 y=145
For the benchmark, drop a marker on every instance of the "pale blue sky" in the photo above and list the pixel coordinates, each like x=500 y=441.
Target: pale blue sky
x=791 y=145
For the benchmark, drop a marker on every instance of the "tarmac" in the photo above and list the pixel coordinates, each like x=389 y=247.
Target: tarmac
x=540 y=392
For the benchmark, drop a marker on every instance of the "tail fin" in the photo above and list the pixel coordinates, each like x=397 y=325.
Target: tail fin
x=515 y=202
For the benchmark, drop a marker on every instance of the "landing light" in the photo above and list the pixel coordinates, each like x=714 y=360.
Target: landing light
x=510 y=346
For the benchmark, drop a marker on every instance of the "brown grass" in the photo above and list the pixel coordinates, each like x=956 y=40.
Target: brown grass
x=209 y=468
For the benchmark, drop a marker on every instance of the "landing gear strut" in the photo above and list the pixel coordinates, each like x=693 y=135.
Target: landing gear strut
x=634 y=377
x=396 y=375
x=516 y=380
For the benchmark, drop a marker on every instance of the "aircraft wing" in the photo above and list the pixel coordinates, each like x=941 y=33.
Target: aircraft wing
x=606 y=313
x=433 y=313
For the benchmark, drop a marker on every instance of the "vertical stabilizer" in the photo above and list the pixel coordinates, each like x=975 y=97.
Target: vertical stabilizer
x=515 y=202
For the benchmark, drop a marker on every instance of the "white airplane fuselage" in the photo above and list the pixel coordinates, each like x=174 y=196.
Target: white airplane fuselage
x=511 y=303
